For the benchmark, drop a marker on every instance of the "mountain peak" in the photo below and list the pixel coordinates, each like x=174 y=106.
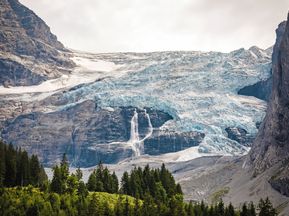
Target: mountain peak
x=21 y=28
x=25 y=39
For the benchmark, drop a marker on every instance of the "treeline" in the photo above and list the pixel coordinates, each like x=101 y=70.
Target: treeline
x=18 y=169
x=159 y=183
x=142 y=192
x=102 y=180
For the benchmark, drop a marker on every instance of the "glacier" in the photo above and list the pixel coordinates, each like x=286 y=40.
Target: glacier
x=198 y=89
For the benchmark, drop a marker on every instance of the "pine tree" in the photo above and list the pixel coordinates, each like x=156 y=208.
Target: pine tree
x=229 y=210
x=10 y=162
x=252 y=210
x=244 y=210
x=82 y=191
x=220 y=208
x=266 y=208
x=190 y=209
x=2 y=163
x=56 y=183
x=137 y=208
x=91 y=183
x=179 y=189
x=78 y=174
x=22 y=168
x=107 y=210
x=118 y=208
x=64 y=170
x=125 y=184
x=60 y=177
x=35 y=171
x=149 y=207
x=93 y=208
x=114 y=183
x=126 y=211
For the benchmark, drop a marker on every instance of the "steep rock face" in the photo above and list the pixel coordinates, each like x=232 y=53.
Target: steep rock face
x=240 y=135
x=170 y=141
x=85 y=132
x=271 y=146
x=16 y=74
x=261 y=90
x=24 y=37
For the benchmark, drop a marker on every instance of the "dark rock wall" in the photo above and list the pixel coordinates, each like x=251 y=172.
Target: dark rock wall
x=169 y=141
x=25 y=35
x=16 y=74
x=83 y=131
x=272 y=142
x=240 y=135
x=261 y=90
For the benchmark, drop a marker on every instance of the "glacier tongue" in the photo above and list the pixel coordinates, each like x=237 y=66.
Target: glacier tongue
x=198 y=89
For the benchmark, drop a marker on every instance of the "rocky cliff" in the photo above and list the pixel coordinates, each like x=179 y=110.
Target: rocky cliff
x=29 y=52
x=271 y=147
x=88 y=134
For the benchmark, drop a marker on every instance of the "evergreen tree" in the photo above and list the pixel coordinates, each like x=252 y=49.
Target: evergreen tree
x=190 y=209
x=118 y=209
x=72 y=184
x=56 y=183
x=266 y=208
x=125 y=183
x=229 y=210
x=22 y=168
x=10 y=169
x=114 y=185
x=137 y=208
x=35 y=171
x=220 y=208
x=149 y=207
x=252 y=210
x=78 y=174
x=82 y=191
x=91 y=183
x=64 y=170
x=95 y=208
x=244 y=210
x=2 y=163
x=179 y=189
x=107 y=210
x=127 y=210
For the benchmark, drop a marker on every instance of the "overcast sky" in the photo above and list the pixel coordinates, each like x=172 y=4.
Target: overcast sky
x=157 y=25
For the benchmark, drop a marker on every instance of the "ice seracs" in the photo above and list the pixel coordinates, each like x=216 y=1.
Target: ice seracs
x=198 y=89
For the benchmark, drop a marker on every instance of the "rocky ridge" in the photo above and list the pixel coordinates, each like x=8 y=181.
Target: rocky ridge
x=29 y=52
x=271 y=146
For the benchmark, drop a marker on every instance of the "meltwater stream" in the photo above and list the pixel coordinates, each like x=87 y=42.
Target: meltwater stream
x=135 y=141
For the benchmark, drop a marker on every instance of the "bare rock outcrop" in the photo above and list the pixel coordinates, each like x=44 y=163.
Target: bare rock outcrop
x=271 y=146
x=29 y=52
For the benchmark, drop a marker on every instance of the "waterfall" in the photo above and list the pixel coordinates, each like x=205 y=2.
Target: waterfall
x=150 y=128
x=134 y=136
x=134 y=140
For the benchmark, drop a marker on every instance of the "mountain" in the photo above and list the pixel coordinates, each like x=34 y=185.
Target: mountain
x=264 y=172
x=271 y=147
x=117 y=106
x=29 y=52
x=198 y=112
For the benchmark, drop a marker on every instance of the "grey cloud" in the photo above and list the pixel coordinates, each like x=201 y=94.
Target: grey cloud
x=151 y=25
